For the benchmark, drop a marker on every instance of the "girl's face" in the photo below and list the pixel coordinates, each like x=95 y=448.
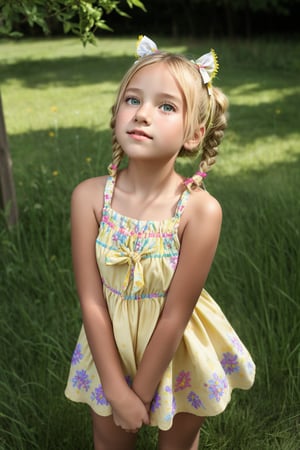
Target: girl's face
x=150 y=119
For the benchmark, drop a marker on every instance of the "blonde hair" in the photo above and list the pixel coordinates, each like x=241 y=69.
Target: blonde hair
x=202 y=110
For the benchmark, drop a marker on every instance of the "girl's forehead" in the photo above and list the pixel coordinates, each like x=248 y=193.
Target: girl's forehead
x=155 y=77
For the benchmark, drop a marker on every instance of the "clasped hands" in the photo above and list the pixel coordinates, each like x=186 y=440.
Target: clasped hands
x=130 y=413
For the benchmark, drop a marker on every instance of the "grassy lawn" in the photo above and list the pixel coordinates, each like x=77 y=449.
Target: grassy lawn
x=57 y=96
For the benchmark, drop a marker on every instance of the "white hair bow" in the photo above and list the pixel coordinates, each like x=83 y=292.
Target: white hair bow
x=207 y=64
x=145 y=46
x=208 y=67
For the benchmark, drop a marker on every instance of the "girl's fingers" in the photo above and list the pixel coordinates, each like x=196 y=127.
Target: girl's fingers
x=146 y=420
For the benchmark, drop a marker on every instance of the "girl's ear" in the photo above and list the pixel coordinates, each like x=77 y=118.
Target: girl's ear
x=193 y=142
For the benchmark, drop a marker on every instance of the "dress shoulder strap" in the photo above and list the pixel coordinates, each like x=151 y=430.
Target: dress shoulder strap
x=108 y=191
x=182 y=202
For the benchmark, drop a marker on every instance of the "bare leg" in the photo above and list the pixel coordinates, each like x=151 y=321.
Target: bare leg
x=184 y=434
x=108 y=436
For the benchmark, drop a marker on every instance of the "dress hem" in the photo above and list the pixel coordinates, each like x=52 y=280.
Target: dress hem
x=154 y=423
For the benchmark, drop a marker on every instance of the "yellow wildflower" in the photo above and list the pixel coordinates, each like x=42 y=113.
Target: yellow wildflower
x=55 y=173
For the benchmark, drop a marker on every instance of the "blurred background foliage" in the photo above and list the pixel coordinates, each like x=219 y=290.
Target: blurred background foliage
x=192 y=18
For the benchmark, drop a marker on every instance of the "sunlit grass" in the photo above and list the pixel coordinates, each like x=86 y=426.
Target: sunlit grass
x=57 y=97
x=251 y=94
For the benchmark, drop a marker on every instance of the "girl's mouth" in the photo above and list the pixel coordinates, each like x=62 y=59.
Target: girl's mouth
x=139 y=134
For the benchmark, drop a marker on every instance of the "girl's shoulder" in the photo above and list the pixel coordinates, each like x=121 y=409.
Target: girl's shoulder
x=204 y=203
x=202 y=208
x=201 y=222
x=90 y=193
x=91 y=184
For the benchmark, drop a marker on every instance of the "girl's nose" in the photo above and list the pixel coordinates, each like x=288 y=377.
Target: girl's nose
x=143 y=115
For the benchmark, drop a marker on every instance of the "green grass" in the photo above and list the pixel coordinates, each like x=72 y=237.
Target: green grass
x=56 y=97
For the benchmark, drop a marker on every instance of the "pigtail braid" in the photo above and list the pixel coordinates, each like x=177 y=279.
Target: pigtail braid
x=117 y=151
x=215 y=125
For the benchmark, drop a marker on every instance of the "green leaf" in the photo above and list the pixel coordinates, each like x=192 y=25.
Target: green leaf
x=15 y=34
x=123 y=13
x=67 y=27
x=136 y=3
x=101 y=24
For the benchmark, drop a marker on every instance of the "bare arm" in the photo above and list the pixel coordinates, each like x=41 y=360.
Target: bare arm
x=86 y=200
x=199 y=242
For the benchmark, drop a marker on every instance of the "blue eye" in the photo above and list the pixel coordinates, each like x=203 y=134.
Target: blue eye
x=166 y=107
x=132 y=101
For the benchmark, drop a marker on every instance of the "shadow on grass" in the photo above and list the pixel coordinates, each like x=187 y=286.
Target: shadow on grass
x=276 y=119
x=72 y=152
x=247 y=123
x=270 y=115
x=240 y=64
x=64 y=71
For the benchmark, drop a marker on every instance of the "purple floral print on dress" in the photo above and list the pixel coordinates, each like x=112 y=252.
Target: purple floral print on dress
x=236 y=343
x=77 y=355
x=183 y=380
x=230 y=363
x=173 y=406
x=99 y=396
x=194 y=400
x=216 y=387
x=81 y=380
x=155 y=402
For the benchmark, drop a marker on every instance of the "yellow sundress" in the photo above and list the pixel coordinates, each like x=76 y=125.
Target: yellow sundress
x=137 y=260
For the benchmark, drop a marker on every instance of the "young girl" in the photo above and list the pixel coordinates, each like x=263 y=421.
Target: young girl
x=154 y=347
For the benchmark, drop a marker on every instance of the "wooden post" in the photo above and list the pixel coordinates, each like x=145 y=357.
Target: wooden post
x=8 y=199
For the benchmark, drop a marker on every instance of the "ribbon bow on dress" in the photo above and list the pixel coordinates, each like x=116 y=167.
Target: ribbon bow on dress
x=135 y=271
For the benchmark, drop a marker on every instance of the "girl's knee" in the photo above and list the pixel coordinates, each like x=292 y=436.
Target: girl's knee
x=184 y=434
x=108 y=436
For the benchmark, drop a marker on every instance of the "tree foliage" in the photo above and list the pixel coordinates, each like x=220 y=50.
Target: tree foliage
x=80 y=17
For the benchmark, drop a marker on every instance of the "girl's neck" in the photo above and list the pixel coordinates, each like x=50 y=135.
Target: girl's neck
x=147 y=178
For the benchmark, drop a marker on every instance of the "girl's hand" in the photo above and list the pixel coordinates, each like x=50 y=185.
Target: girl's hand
x=147 y=406
x=129 y=412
